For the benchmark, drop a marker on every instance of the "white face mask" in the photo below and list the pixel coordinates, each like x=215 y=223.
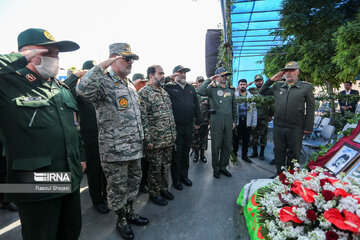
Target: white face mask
x=49 y=67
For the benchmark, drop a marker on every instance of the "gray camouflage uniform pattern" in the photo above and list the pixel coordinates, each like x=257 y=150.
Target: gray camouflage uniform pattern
x=159 y=128
x=120 y=132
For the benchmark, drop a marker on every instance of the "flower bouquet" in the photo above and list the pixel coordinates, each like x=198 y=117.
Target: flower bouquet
x=310 y=205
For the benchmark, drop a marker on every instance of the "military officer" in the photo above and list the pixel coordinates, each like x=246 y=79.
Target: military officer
x=200 y=136
x=264 y=115
x=222 y=120
x=89 y=135
x=294 y=112
x=160 y=133
x=185 y=109
x=139 y=81
x=39 y=134
x=120 y=132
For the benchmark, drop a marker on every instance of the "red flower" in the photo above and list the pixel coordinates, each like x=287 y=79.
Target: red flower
x=331 y=235
x=281 y=199
x=328 y=195
x=292 y=172
x=306 y=193
x=311 y=215
x=341 y=192
x=323 y=181
x=283 y=179
x=351 y=221
x=287 y=214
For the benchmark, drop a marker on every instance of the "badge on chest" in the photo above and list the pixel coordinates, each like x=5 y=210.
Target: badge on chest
x=220 y=93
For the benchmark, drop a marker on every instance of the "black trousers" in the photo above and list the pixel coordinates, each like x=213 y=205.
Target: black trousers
x=95 y=175
x=180 y=161
x=287 y=145
x=242 y=132
x=57 y=218
x=3 y=172
x=144 y=170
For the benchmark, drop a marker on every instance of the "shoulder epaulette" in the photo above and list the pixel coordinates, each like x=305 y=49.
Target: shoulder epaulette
x=18 y=73
x=307 y=82
x=231 y=87
x=213 y=85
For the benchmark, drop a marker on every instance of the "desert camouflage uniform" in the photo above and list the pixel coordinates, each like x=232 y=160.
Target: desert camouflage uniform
x=200 y=136
x=120 y=132
x=159 y=130
x=263 y=114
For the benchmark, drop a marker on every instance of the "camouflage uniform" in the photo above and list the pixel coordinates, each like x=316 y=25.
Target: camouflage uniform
x=200 y=136
x=159 y=130
x=263 y=114
x=120 y=132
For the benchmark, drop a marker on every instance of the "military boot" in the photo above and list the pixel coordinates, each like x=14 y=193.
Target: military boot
x=134 y=217
x=202 y=156
x=196 y=158
x=255 y=153
x=122 y=225
x=262 y=153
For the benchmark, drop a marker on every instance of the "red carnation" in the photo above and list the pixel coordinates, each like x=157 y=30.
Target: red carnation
x=283 y=179
x=311 y=215
x=281 y=199
x=328 y=195
x=331 y=235
x=323 y=181
x=292 y=172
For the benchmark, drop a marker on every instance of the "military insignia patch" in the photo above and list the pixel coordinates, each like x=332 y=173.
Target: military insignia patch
x=220 y=93
x=227 y=94
x=124 y=103
x=30 y=77
x=49 y=36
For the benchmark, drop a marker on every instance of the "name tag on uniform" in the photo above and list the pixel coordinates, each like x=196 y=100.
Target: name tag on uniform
x=227 y=94
x=31 y=99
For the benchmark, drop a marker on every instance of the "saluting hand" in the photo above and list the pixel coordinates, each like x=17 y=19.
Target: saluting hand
x=81 y=73
x=30 y=54
x=105 y=64
x=277 y=76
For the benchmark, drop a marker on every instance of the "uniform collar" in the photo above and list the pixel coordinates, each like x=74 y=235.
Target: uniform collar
x=296 y=84
x=154 y=88
x=180 y=84
x=117 y=79
x=33 y=77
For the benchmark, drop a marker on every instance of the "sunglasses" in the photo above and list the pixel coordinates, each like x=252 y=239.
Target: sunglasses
x=128 y=58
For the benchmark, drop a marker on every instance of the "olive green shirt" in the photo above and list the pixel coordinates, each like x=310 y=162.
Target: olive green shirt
x=221 y=99
x=39 y=126
x=294 y=105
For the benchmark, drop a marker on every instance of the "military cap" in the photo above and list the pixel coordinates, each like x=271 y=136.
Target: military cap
x=291 y=65
x=222 y=72
x=122 y=49
x=41 y=37
x=200 y=78
x=180 y=68
x=88 y=64
x=137 y=76
x=258 y=77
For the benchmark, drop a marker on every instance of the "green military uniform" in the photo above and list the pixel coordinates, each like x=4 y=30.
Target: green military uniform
x=89 y=135
x=264 y=112
x=39 y=132
x=221 y=122
x=294 y=113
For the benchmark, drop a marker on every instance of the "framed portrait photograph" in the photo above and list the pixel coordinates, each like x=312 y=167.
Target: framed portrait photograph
x=342 y=158
x=357 y=138
x=354 y=171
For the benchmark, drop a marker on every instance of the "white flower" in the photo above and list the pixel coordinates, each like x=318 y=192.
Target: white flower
x=349 y=204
